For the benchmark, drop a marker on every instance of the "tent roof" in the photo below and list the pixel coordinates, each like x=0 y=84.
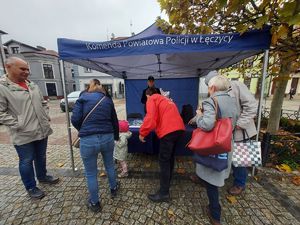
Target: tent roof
x=152 y=52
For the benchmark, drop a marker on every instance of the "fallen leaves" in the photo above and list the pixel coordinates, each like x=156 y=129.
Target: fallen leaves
x=103 y=174
x=180 y=170
x=171 y=215
x=284 y=168
x=231 y=199
x=60 y=164
x=147 y=164
x=296 y=180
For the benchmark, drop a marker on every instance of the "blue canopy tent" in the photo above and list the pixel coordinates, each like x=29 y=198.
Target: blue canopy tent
x=176 y=61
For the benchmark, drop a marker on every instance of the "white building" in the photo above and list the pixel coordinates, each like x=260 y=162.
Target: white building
x=83 y=75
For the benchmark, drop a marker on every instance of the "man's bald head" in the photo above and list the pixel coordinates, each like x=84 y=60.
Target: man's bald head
x=17 y=69
x=13 y=60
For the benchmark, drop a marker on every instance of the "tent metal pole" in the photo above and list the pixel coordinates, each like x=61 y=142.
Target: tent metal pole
x=62 y=69
x=264 y=75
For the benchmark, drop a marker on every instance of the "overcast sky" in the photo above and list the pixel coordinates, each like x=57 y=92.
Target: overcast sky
x=41 y=22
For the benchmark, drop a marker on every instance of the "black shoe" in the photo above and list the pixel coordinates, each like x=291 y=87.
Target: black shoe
x=49 y=180
x=94 y=207
x=113 y=192
x=36 y=193
x=157 y=197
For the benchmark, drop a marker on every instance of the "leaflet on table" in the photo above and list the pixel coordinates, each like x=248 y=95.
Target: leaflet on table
x=135 y=123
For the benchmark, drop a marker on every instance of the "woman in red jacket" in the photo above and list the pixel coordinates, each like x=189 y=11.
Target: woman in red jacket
x=163 y=117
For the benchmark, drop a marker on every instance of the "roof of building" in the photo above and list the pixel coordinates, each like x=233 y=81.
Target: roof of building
x=2 y=32
x=20 y=43
x=45 y=52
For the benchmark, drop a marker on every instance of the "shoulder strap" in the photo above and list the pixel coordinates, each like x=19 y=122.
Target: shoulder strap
x=93 y=109
x=218 y=111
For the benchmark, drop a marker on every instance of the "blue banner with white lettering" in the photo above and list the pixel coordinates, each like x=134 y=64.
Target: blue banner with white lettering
x=160 y=44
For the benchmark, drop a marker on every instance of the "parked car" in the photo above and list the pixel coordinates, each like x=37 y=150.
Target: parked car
x=72 y=97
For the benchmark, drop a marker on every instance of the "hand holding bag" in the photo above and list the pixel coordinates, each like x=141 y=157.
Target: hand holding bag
x=216 y=141
x=246 y=153
x=76 y=142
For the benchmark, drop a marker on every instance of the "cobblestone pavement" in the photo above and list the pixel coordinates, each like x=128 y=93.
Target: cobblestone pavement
x=268 y=199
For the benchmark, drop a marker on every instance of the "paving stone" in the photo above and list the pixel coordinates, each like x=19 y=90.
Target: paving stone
x=273 y=202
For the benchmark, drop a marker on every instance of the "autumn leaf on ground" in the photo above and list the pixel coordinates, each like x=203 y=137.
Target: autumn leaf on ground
x=284 y=168
x=190 y=161
x=147 y=165
x=296 y=180
x=60 y=164
x=180 y=170
x=255 y=178
x=102 y=174
x=171 y=215
x=231 y=199
x=179 y=160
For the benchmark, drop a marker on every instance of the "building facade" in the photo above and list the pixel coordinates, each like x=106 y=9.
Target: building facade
x=44 y=68
x=83 y=75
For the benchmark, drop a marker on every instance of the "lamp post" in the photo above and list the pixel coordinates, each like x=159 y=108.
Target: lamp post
x=2 y=50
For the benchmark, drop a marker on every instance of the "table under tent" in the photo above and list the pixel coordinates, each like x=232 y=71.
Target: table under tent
x=175 y=61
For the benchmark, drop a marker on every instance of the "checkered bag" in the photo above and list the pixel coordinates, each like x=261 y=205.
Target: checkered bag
x=246 y=154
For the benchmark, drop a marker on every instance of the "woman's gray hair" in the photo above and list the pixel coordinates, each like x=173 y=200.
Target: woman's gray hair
x=220 y=82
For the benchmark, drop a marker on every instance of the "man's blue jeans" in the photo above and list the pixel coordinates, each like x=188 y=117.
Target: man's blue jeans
x=90 y=147
x=240 y=176
x=28 y=153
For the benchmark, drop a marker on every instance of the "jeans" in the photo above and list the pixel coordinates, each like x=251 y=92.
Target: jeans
x=166 y=159
x=33 y=151
x=90 y=147
x=240 y=176
x=213 y=198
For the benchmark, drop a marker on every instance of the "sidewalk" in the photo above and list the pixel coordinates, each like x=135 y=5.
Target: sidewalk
x=293 y=104
x=268 y=199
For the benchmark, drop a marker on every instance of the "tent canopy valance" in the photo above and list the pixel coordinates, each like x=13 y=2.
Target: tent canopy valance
x=164 y=56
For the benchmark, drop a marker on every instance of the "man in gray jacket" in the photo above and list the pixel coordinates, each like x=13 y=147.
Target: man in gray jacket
x=247 y=108
x=23 y=111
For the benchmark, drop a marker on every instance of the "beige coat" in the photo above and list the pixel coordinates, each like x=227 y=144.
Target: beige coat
x=247 y=109
x=121 y=149
x=23 y=112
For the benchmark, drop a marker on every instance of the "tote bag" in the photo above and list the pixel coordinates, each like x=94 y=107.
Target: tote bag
x=216 y=141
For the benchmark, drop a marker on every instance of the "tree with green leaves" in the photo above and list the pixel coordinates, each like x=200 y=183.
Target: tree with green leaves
x=223 y=16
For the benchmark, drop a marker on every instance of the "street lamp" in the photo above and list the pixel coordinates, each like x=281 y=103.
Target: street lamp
x=2 y=50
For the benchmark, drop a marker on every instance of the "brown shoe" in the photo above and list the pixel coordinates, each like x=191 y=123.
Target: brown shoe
x=212 y=220
x=235 y=190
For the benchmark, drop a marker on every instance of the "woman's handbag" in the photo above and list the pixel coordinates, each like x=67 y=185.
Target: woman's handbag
x=76 y=142
x=246 y=153
x=216 y=141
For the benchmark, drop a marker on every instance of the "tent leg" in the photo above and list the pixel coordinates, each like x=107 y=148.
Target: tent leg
x=62 y=69
x=264 y=75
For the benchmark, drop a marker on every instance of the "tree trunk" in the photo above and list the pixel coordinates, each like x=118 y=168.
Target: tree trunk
x=278 y=97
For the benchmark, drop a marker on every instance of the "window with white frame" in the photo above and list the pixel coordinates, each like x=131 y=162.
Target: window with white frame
x=87 y=70
x=48 y=71
x=15 y=50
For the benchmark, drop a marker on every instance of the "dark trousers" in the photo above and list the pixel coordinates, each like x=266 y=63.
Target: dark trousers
x=166 y=159
x=240 y=176
x=28 y=153
x=213 y=198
